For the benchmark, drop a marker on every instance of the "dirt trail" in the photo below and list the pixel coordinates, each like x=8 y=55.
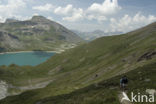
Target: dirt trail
x=124 y=98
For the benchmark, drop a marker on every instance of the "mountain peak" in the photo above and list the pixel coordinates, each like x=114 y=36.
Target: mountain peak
x=39 y=18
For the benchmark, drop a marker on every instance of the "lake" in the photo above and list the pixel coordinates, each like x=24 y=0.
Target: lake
x=25 y=58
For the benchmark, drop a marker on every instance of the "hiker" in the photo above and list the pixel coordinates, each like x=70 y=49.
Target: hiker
x=123 y=83
x=96 y=75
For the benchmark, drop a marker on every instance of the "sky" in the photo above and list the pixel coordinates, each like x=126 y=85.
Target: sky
x=84 y=15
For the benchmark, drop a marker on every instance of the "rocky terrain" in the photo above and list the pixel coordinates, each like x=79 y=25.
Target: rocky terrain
x=37 y=33
x=3 y=89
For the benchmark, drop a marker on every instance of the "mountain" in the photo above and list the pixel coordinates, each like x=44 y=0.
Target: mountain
x=88 y=73
x=10 y=20
x=89 y=36
x=37 y=33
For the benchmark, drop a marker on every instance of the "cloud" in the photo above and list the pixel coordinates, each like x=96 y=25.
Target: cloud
x=108 y=7
x=70 y=13
x=64 y=10
x=95 y=11
x=77 y=14
x=22 y=18
x=46 y=7
x=101 y=11
x=50 y=18
x=99 y=18
x=128 y=23
x=35 y=14
x=2 y=19
x=11 y=8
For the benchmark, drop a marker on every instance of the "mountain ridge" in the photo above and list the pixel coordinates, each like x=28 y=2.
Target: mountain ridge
x=38 y=33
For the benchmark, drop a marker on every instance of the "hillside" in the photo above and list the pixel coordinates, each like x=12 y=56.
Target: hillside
x=104 y=92
x=90 y=63
x=37 y=33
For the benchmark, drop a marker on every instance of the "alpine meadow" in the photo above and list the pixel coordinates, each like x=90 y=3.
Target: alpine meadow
x=77 y=52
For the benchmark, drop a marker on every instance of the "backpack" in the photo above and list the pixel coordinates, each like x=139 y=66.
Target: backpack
x=122 y=80
x=125 y=80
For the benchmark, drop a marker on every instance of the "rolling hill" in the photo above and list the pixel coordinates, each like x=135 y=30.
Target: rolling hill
x=37 y=33
x=92 y=70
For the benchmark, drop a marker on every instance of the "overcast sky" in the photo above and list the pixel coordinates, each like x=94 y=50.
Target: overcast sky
x=85 y=15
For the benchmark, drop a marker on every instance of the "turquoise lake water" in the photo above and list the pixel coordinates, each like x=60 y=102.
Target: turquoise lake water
x=25 y=58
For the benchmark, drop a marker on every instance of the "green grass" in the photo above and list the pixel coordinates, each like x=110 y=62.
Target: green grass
x=76 y=68
x=104 y=92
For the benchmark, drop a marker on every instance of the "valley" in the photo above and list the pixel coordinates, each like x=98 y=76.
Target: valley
x=88 y=73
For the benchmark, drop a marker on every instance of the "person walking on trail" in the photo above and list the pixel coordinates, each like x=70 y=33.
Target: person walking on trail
x=123 y=83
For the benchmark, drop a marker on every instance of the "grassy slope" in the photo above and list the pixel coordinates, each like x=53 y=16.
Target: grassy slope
x=76 y=68
x=105 y=92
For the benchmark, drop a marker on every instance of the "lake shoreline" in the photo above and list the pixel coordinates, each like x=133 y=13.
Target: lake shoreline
x=22 y=58
x=31 y=51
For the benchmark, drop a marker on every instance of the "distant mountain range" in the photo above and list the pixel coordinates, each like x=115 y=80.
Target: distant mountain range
x=37 y=33
x=95 y=34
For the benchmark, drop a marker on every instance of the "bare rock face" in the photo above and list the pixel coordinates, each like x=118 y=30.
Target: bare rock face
x=3 y=89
